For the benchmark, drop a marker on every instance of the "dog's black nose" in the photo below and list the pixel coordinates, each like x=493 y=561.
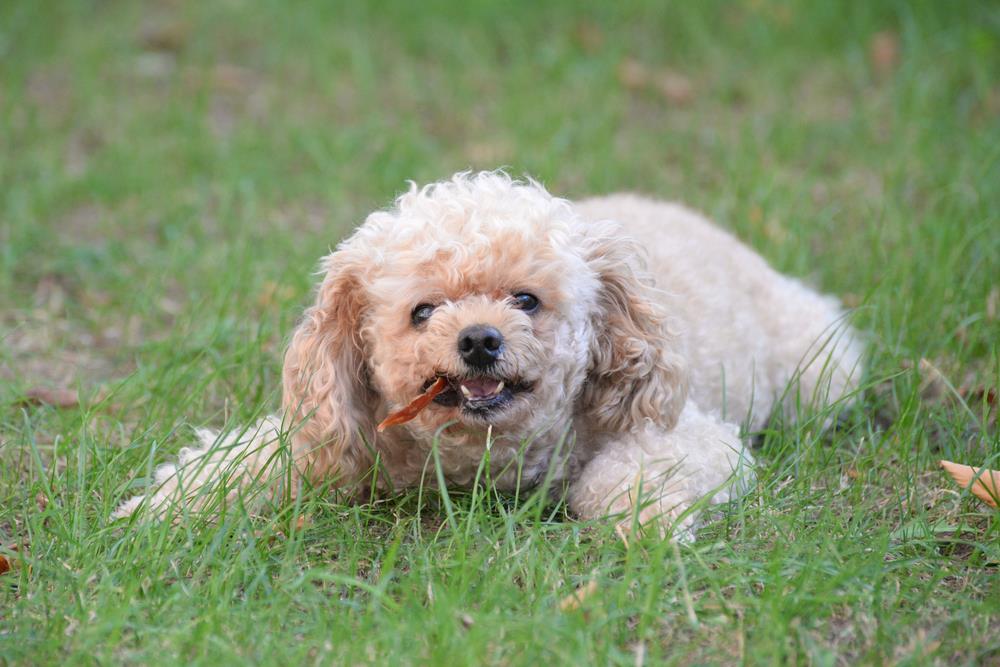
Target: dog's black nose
x=480 y=345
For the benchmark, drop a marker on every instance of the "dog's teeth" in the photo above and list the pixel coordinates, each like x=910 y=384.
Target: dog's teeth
x=465 y=391
x=499 y=388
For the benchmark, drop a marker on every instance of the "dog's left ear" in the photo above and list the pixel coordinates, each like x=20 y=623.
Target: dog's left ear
x=637 y=373
x=327 y=397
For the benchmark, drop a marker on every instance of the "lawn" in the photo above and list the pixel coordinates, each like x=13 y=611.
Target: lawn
x=171 y=173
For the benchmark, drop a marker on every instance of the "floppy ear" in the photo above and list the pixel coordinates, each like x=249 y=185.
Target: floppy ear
x=637 y=372
x=327 y=397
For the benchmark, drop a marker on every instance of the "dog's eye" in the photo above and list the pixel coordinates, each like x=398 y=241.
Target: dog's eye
x=527 y=302
x=421 y=313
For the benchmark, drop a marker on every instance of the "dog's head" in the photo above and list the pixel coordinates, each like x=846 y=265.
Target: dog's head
x=534 y=318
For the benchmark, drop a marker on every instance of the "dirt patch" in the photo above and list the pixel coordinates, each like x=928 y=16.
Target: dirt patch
x=41 y=350
x=40 y=346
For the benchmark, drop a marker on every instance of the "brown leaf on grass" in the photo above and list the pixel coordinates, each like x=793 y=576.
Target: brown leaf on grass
x=883 y=51
x=573 y=601
x=58 y=398
x=588 y=36
x=988 y=395
x=632 y=74
x=987 y=482
x=164 y=35
x=7 y=563
x=675 y=87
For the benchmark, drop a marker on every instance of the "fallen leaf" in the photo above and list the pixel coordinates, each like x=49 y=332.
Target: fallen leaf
x=985 y=394
x=573 y=601
x=675 y=87
x=632 y=74
x=8 y=563
x=161 y=35
x=59 y=398
x=883 y=50
x=41 y=501
x=987 y=482
x=589 y=36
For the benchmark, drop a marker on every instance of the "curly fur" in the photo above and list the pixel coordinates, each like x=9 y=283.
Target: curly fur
x=658 y=332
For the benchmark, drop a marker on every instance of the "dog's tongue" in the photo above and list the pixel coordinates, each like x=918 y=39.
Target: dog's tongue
x=480 y=387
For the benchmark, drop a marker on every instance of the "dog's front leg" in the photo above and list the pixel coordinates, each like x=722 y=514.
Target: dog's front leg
x=654 y=476
x=248 y=465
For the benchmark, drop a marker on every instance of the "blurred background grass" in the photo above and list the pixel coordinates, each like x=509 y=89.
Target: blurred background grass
x=155 y=150
x=170 y=173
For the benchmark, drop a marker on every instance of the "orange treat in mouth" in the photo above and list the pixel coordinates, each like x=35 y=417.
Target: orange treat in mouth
x=415 y=407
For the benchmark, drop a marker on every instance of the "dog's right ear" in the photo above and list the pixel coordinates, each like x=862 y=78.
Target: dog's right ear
x=637 y=374
x=328 y=401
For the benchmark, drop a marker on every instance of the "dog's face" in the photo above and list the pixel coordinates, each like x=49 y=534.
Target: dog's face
x=535 y=319
x=498 y=306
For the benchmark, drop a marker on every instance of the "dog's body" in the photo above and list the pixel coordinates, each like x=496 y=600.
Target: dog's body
x=746 y=330
x=608 y=346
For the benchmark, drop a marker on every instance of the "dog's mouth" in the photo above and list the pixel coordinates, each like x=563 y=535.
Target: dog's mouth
x=479 y=395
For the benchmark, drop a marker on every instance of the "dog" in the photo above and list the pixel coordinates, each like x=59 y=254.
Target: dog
x=608 y=349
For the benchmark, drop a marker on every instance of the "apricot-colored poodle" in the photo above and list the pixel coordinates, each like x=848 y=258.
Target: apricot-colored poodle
x=608 y=347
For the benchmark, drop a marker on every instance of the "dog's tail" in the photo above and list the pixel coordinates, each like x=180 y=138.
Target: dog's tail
x=238 y=466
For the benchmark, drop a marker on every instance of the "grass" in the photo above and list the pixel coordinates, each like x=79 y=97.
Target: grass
x=169 y=175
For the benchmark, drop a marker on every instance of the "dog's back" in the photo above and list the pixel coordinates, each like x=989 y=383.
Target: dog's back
x=749 y=332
